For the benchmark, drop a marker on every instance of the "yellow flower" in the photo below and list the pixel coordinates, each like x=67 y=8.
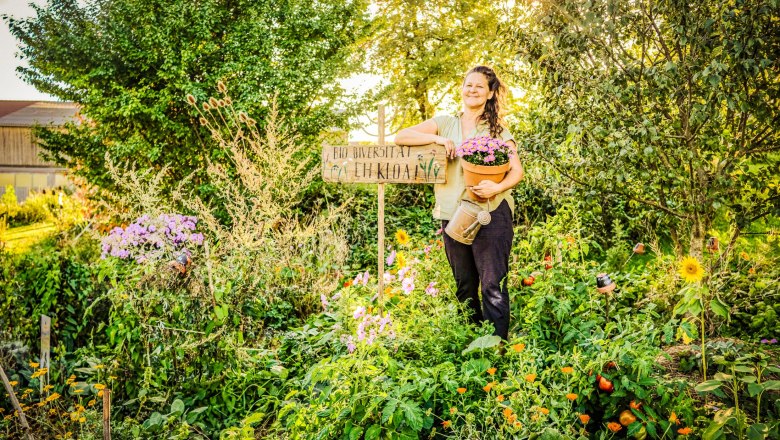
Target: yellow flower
x=91 y=402
x=518 y=425
x=13 y=383
x=82 y=419
x=100 y=386
x=53 y=397
x=34 y=364
x=567 y=370
x=100 y=393
x=99 y=366
x=48 y=387
x=39 y=373
x=401 y=237
x=571 y=396
x=400 y=260
x=691 y=270
x=744 y=255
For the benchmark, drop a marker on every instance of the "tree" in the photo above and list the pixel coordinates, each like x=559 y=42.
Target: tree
x=673 y=105
x=425 y=48
x=129 y=64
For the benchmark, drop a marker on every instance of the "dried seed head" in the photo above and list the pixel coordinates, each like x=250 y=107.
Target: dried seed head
x=221 y=102
x=221 y=87
x=206 y=106
x=213 y=101
x=242 y=116
x=191 y=99
x=228 y=101
x=203 y=121
x=251 y=121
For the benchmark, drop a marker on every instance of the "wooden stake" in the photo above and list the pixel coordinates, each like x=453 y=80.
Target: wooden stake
x=381 y=212
x=106 y=414
x=45 y=360
x=15 y=403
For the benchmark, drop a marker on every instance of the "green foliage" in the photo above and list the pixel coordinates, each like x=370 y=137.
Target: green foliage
x=129 y=64
x=669 y=105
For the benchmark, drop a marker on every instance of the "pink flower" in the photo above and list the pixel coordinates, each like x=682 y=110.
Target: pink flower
x=407 y=285
x=430 y=290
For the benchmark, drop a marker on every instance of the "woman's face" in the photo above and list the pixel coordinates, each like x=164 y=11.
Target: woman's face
x=475 y=91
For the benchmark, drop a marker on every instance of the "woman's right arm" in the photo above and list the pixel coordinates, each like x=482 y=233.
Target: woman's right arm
x=425 y=133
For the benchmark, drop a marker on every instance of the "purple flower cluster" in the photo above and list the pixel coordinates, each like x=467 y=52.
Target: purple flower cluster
x=769 y=341
x=151 y=238
x=485 y=150
x=369 y=329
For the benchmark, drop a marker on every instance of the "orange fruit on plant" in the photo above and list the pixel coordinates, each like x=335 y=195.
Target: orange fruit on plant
x=627 y=417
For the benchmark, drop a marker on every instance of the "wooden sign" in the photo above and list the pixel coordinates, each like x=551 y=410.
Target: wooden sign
x=384 y=164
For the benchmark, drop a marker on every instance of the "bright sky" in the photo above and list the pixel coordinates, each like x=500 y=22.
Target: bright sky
x=11 y=86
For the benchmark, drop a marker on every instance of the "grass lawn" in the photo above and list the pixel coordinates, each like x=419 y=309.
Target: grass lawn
x=22 y=238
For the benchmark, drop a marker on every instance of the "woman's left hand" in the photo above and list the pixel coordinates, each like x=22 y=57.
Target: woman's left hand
x=486 y=189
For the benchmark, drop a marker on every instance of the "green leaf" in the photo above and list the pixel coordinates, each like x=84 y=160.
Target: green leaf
x=772 y=385
x=754 y=389
x=373 y=432
x=355 y=432
x=719 y=308
x=177 y=407
x=482 y=343
x=389 y=409
x=413 y=415
x=708 y=386
x=758 y=431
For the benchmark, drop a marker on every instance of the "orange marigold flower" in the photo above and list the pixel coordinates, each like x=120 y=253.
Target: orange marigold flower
x=489 y=387
x=571 y=396
x=518 y=425
x=567 y=370
x=491 y=371
x=544 y=410
x=685 y=431
x=500 y=397
x=518 y=347
x=614 y=427
x=453 y=410
x=507 y=412
x=584 y=418
x=461 y=390
x=446 y=423
x=635 y=405
x=673 y=418
x=530 y=377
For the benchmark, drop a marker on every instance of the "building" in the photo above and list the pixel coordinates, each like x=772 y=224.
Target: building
x=20 y=161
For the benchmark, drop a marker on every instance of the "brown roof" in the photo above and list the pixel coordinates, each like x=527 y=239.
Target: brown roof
x=29 y=113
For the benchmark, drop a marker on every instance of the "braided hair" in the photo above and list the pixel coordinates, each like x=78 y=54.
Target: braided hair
x=492 y=113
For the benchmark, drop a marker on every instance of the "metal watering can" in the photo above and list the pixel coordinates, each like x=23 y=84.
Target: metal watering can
x=466 y=221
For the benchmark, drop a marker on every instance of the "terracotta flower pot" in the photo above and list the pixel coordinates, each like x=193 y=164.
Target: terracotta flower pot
x=473 y=174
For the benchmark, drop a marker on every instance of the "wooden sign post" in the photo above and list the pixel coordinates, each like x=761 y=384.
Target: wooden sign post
x=45 y=349
x=382 y=164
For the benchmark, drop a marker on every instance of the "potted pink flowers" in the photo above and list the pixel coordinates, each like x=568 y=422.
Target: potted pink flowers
x=484 y=158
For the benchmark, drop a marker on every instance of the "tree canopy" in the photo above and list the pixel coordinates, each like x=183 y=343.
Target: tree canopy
x=130 y=63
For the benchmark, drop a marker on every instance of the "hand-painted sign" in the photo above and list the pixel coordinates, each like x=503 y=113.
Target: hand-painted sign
x=384 y=164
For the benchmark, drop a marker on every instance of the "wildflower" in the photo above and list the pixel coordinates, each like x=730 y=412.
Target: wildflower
x=401 y=237
x=13 y=383
x=544 y=410
x=500 y=397
x=203 y=121
x=635 y=405
x=430 y=290
x=691 y=270
x=191 y=99
x=530 y=377
x=488 y=387
x=39 y=373
x=461 y=390
x=744 y=255
x=359 y=312
x=100 y=393
x=401 y=260
x=91 y=402
x=752 y=271
x=99 y=366
x=517 y=424
x=453 y=410
x=221 y=87
x=438 y=231
x=446 y=424
x=53 y=397
x=685 y=431
x=673 y=418
x=614 y=427
x=491 y=371
x=82 y=419
x=518 y=348
x=407 y=284
x=390 y=258
x=507 y=412
x=567 y=370
x=34 y=364
x=348 y=283
x=584 y=418
x=48 y=387
x=571 y=396
x=570 y=239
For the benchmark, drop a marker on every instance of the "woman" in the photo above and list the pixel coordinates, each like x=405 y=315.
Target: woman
x=486 y=260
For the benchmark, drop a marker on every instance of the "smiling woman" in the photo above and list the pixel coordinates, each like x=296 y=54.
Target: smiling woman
x=485 y=261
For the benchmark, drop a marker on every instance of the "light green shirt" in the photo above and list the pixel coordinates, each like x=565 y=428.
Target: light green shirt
x=449 y=194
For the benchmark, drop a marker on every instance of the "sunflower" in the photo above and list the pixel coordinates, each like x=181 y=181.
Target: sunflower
x=690 y=270
x=401 y=237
